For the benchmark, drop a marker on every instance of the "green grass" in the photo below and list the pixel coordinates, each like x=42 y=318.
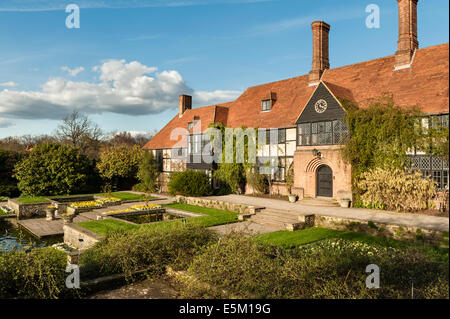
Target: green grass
x=212 y=217
x=124 y=196
x=102 y=227
x=32 y=200
x=288 y=239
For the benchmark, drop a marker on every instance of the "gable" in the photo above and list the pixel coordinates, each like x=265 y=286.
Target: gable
x=333 y=109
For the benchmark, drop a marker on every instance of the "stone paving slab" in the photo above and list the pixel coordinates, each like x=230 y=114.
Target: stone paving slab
x=393 y=218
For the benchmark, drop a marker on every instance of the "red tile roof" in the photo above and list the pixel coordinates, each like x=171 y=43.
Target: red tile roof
x=425 y=85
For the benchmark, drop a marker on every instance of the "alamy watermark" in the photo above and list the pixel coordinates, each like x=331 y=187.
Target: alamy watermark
x=373 y=280
x=373 y=20
x=73 y=19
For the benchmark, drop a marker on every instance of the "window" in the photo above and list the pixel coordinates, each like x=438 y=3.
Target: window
x=434 y=167
x=190 y=126
x=266 y=105
x=322 y=133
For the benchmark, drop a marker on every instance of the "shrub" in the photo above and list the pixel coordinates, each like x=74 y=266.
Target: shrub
x=38 y=274
x=189 y=183
x=53 y=169
x=147 y=173
x=257 y=181
x=241 y=267
x=396 y=189
x=120 y=165
x=144 y=249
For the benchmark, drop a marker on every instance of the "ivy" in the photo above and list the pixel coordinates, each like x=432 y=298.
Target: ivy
x=380 y=136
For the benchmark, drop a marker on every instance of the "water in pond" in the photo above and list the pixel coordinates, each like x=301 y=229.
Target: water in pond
x=149 y=218
x=12 y=237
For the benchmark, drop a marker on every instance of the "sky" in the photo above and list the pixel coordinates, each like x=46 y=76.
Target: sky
x=129 y=60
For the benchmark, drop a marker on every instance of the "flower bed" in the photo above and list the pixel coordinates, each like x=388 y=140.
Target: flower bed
x=95 y=204
x=146 y=207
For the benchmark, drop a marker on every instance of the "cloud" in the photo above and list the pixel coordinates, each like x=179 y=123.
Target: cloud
x=9 y=84
x=72 y=72
x=5 y=123
x=52 y=5
x=124 y=88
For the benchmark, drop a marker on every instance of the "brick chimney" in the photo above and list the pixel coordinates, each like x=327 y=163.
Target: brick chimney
x=320 y=62
x=185 y=104
x=407 y=33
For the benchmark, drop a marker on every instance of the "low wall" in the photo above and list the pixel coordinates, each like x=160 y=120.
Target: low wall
x=28 y=210
x=407 y=233
x=232 y=207
x=80 y=237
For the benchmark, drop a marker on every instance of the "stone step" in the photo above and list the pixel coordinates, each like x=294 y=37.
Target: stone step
x=280 y=226
x=279 y=214
x=275 y=219
x=319 y=202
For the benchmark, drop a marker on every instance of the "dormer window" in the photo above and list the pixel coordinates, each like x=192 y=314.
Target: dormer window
x=266 y=105
x=190 y=126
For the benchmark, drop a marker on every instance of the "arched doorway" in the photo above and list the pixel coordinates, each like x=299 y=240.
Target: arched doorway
x=324 y=181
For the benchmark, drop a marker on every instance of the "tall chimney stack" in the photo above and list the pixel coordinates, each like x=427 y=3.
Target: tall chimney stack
x=407 y=33
x=185 y=104
x=320 y=62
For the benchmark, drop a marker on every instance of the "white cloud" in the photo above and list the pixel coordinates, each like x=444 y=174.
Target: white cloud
x=124 y=88
x=51 y=5
x=9 y=84
x=72 y=72
x=5 y=123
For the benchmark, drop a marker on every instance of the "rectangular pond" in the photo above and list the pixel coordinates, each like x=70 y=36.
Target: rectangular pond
x=150 y=217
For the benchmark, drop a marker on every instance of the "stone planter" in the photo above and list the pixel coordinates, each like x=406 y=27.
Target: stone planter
x=50 y=213
x=345 y=203
x=68 y=218
x=72 y=211
x=292 y=198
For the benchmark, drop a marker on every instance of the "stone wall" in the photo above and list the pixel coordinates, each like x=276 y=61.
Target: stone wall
x=28 y=210
x=237 y=208
x=433 y=237
x=80 y=237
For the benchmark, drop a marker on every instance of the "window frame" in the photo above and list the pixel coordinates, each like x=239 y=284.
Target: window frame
x=264 y=104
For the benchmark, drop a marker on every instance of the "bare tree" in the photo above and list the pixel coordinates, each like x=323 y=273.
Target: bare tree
x=78 y=131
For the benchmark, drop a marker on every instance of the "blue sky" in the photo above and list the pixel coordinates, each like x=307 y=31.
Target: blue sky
x=129 y=60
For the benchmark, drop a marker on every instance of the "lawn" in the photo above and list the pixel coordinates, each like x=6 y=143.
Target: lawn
x=212 y=217
x=124 y=196
x=288 y=239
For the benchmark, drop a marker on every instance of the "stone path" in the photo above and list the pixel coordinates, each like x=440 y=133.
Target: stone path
x=147 y=289
x=401 y=219
x=247 y=227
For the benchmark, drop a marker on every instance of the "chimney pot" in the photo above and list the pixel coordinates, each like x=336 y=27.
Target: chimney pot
x=185 y=104
x=407 y=33
x=320 y=61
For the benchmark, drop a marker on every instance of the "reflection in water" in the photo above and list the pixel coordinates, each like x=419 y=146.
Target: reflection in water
x=17 y=238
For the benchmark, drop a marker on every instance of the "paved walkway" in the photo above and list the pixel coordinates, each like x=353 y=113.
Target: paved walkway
x=401 y=219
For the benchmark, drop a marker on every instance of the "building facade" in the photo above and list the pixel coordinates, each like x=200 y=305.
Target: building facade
x=308 y=112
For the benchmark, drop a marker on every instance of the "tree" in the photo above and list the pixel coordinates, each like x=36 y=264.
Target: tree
x=148 y=173
x=53 y=169
x=78 y=131
x=8 y=184
x=119 y=165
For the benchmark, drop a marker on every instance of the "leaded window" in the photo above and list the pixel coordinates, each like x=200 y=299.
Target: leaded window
x=434 y=167
x=322 y=133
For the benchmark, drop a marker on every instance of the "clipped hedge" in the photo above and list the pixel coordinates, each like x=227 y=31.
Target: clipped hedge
x=189 y=183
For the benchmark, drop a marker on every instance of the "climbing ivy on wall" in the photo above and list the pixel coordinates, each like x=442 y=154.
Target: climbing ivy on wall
x=380 y=136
